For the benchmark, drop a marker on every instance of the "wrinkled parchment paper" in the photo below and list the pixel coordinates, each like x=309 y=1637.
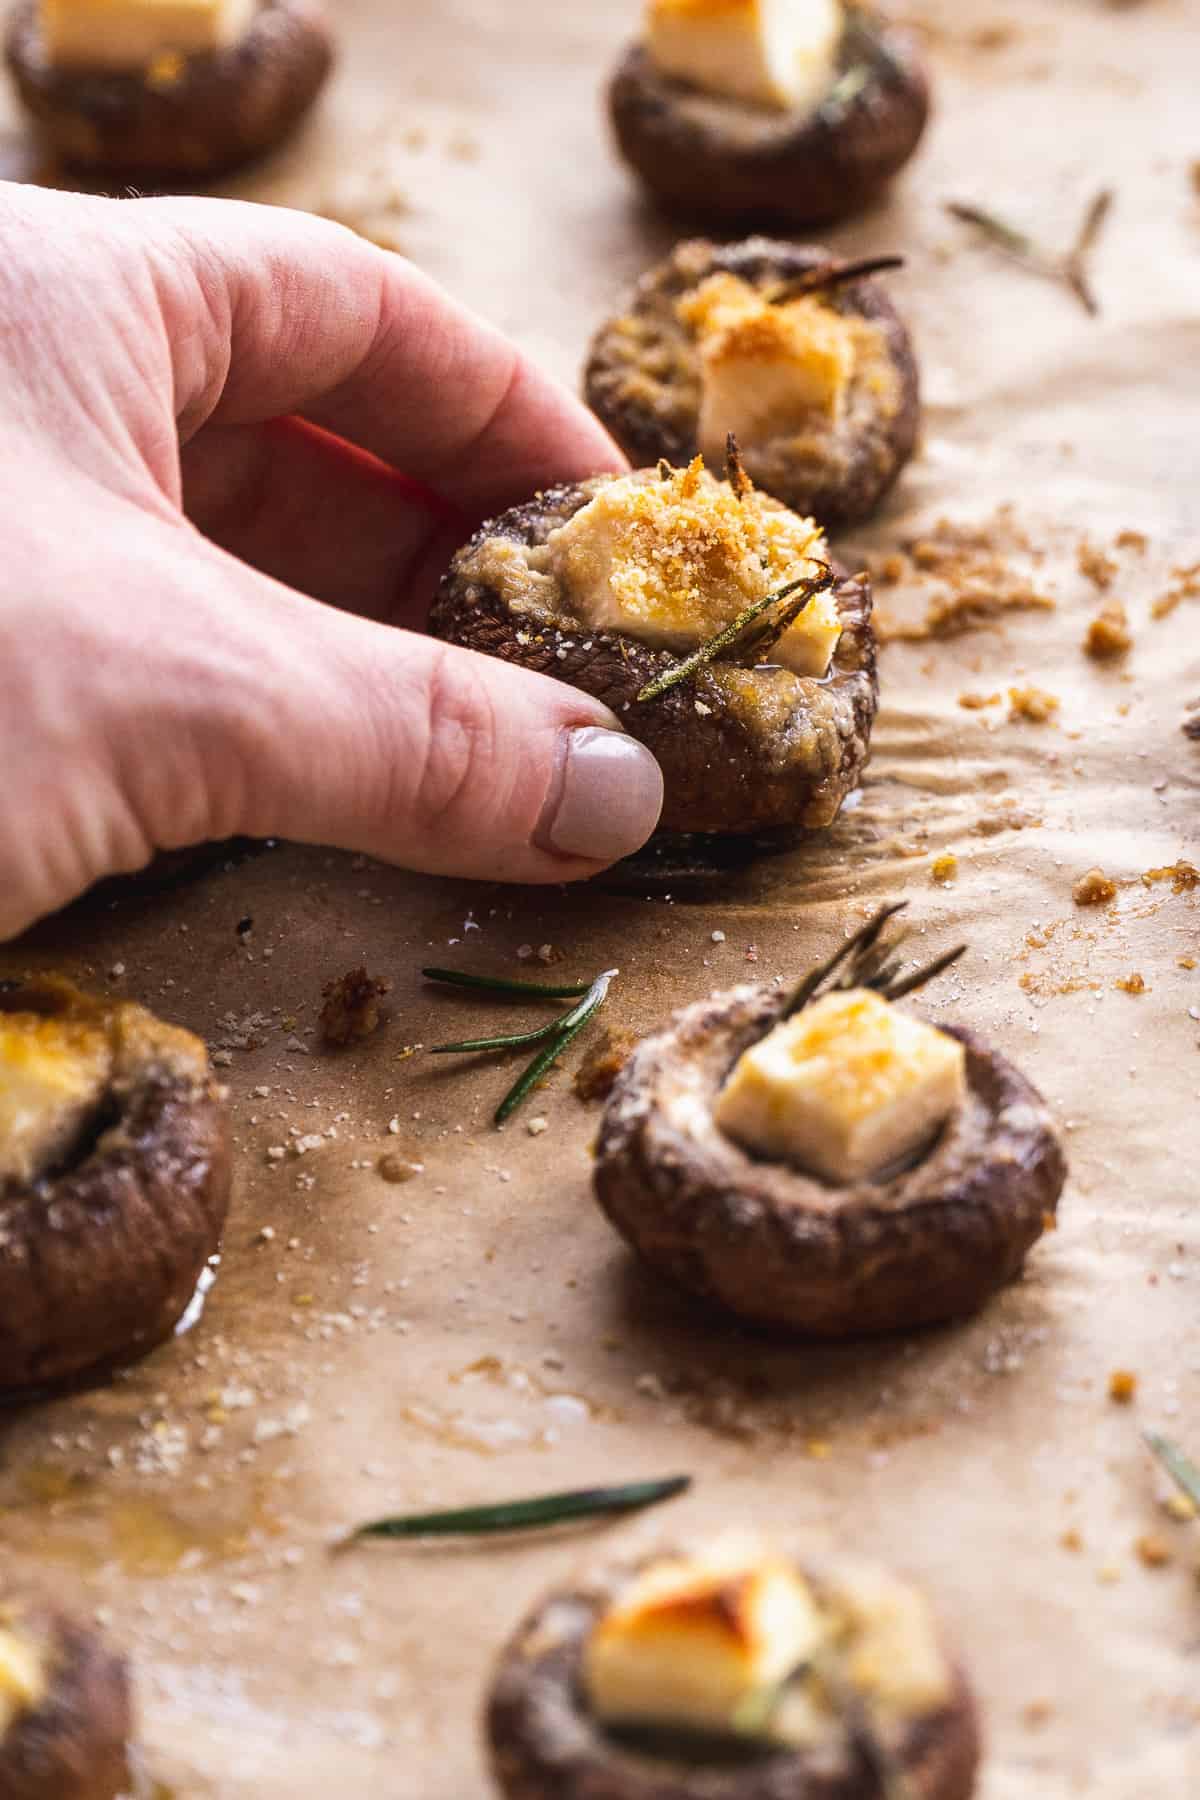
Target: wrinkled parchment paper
x=479 y=1332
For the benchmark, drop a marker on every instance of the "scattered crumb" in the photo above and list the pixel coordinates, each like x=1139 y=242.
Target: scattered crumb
x=1131 y=984
x=1094 y=889
x=1108 y=636
x=1032 y=703
x=1194 y=172
x=1099 y=568
x=1038 y=1713
x=971 y=563
x=604 y=1061
x=535 y=1127
x=945 y=867
x=1185 y=962
x=977 y=702
x=1180 y=1507
x=1122 y=1386
x=1132 y=540
x=1152 y=1551
x=891 y=570
x=1185 y=585
x=394 y=1167
x=1182 y=876
x=1071 y=1539
x=351 y=1009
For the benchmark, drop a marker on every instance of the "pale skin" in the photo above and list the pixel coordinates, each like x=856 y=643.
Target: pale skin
x=211 y=607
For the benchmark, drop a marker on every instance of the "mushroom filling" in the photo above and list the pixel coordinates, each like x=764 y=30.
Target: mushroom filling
x=24 y=1672
x=64 y=1059
x=128 y=36
x=670 y=560
x=739 y=1645
x=851 y=1088
x=782 y=375
x=779 y=55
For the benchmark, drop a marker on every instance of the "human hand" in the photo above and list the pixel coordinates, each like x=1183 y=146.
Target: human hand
x=172 y=510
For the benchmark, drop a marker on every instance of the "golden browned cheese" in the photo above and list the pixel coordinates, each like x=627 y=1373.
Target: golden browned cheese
x=132 y=34
x=780 y=54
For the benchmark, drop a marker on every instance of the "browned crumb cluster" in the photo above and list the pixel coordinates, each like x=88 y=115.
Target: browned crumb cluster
x=351 y=1009
x=945 y=867
x=1122 y=1386
x=1152 y=1552
x=1094 y=889
x=972 y=563
x=1100 y=568
x=1108 y=636
x=1132 y=984
x=1185 y=585
x=1033 y=704
x=606 y=1057
x=1183 y=876
x=971 y=702
x=1132 y=540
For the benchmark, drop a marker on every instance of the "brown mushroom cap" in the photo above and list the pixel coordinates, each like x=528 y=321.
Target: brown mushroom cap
x=73 y=1745
x=211 y=114
x=643 y=381
x=728 y=164
x=742 y=752
x=546 y=1746
x=780 y=1248
x=101 y=1255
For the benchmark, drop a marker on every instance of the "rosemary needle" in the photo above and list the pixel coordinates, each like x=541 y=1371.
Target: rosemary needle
x=568 y=1030
x=1180 y=1468
x=492 y=984
x=741 y=636
x=527 y=1515
x=513 y=1042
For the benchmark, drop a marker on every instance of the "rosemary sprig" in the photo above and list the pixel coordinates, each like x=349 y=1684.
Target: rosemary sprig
x=1179 y=1467
x=492 y=984
x=568 y=1029
x=1070 y=267
x=515 y=1041
x=872 y=963
x=831 y=275
x=526 y=1515
x=872 y=56
x=753 y=632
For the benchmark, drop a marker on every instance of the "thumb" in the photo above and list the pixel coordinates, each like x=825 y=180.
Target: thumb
x=421 y=753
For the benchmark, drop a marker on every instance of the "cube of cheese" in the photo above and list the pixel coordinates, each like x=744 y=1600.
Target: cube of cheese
x=846 y=1088
x=766 y=371
x=53 y=1076
x=774 y=53
x=129 y=34
x=672 y=563
x=693 y=1640
x=24 y=1680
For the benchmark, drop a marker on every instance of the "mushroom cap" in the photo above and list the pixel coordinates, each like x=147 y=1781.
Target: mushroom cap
x=644 y=384
x=221 y=109
x=782 y=1249
x=100 y=1258
x=728 y=767
x=74 y=1744
x=544 y=1745
x=727 y=164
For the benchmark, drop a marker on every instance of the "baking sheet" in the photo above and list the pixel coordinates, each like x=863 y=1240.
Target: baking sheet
x=479 y=1332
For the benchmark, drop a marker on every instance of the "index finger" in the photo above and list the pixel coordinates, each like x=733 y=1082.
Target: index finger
x=272 y=312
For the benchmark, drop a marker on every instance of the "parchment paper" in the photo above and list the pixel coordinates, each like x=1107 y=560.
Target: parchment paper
x=480 y=1332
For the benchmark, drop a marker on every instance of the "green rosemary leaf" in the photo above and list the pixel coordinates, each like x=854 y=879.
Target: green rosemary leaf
x=514 y=1042
x=492 y=984
x=1182 y=1470
x=1006 y=235
x=753 y=629
x=527 y=1515
x=1071 y=269
x=896 y=990
x=568 y=1029
x=846 y=90
x=861 y=941
x=831 y=275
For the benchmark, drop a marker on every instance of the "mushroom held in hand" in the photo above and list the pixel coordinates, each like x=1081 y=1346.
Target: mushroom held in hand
x=808 y=365
x=733 y=1671
x=610 y=583
x=114 y=1180
x=65 y=1709
x=826 y=1163
x=166 y=89
x=768 y=113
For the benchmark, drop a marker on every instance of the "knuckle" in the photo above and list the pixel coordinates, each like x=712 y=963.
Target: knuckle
x=460 y=763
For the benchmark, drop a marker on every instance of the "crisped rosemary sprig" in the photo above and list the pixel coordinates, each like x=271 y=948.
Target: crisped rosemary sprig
x=830 y=275
x=1070 y=267
x=569 y=1028
x=525 y=1515
x=868 y=959
x=755 y=631
x=1179 y=1467
x=494 y=984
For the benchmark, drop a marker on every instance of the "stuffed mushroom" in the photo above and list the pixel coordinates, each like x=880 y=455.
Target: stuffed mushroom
x=114 y=1180
x=707 y=616
x=828 y=1163
x=801 y=356
x=65 y=1709
x=166 y=90
x=733 y=1670
x=768 y=113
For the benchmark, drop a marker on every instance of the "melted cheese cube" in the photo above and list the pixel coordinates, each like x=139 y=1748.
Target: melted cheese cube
x=672 y=563
x=692 y=1641
x=53 y=1075
x=776 y=53
x=766 y=371
x=129 y=34
x=846 y=1088
x=24 y=1680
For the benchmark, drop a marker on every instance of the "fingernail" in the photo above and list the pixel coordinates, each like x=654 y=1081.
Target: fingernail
x=605 y=798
